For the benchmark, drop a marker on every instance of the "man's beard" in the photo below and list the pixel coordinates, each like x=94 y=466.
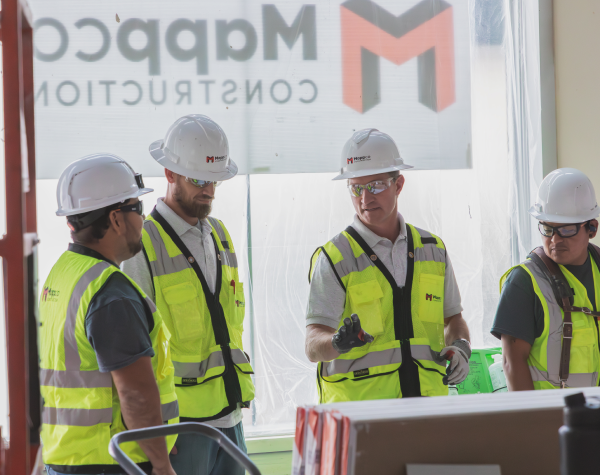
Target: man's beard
x=135 y=247
x=191 y=207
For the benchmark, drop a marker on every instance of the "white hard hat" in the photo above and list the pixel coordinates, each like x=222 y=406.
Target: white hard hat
x=196 y=147
x=95 y=182
x=369 y=152
x=565 y=196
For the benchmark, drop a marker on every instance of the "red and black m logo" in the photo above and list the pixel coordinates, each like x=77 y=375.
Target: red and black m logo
x=349 y=160
x=426 y=31
x=210 y=159
x=428 y=296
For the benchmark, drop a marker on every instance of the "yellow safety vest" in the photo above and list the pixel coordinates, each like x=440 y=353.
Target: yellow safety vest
x=544 y=357
x=407 y=322
x=81 y=405
x=212 y=372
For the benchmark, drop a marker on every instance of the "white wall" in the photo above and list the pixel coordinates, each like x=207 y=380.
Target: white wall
x=577 y=71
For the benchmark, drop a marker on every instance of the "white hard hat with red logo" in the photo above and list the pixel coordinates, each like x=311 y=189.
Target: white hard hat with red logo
x=95 y=182
x=370 y=152
x=567 y=196
x=195 y=146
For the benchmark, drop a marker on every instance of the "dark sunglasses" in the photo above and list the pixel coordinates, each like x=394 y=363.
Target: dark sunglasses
x=136 y=207
x=565 y=231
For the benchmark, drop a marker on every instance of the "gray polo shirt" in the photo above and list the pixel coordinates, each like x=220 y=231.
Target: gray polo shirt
x=198 y=241
x=327 y=298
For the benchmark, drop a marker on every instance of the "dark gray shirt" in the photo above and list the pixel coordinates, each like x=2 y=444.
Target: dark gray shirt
x=118 y=321
x=520 y=313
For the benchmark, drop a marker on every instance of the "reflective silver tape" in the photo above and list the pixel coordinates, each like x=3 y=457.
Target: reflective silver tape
x=228 y=258
x=424 y=352
x=72 y=358
x=422 y=232
x=75 y=379
x=169 y=410
x=239 y=357
x=554 y=346
x=349 y=262
x=198 y=369
x=370 y=360
x=218 y=228
x=151 y=304
x=164 y=264
x=76 y=417
x=429 y=252
x=577 y=380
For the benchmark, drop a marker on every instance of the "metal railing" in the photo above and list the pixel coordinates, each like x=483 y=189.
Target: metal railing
x=225 y=443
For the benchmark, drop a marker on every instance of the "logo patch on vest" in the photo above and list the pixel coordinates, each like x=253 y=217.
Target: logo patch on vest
x=189 y=381
x=433 y=298
x=361 y=372
x=50 y=295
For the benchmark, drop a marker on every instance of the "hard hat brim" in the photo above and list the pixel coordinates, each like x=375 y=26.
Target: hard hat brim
x=117 y=199
x=370 y=171
x=557 y=218
x=157 y=152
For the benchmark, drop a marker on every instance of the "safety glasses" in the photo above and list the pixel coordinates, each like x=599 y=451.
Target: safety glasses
x=374 y=187
x=565 y=231
x=136 y=208
x=201 y=183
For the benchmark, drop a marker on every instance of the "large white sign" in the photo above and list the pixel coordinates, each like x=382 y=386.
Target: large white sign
x=288 y=82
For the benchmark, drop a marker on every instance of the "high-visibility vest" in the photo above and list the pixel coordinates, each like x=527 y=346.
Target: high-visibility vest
x=212 y=372
x=81 y=405
x=544 y=356
x=407 y=322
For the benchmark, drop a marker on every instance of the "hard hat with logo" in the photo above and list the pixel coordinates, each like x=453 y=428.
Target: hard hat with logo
x=370 y=152
x=565 y=196
x=95 y=182
x=196 y=147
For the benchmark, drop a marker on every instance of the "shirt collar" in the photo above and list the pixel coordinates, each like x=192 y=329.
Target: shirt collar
x=180 y=225
x=370 y=237
x=86 y=251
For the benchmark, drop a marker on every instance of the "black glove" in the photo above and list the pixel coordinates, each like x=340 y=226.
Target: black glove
x=350 y=335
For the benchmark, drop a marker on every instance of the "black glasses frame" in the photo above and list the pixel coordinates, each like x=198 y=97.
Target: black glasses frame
x=556 y=229
x=136 y=208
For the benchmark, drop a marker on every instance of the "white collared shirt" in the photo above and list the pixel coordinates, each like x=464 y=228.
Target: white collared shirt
x=327 y=298
x=199 y=242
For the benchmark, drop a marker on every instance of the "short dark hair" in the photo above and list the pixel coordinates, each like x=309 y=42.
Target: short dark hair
x=93 y=232
x=394 y=174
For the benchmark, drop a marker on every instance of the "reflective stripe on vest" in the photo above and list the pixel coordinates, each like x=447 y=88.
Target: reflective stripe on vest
x=554 y=343
x=198 y=370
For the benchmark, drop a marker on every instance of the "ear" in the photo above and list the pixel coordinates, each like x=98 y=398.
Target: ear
x=593 y=228
x=170 y=176
x=117 y=222
x=399 y=184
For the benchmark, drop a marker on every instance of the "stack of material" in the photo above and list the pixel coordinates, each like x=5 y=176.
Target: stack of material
x=518 y=431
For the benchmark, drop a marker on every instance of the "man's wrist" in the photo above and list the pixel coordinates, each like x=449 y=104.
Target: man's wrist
x=463 y=345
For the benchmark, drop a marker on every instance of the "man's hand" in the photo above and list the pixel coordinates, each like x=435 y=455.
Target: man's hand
x=350 y=335
x=166 y=471
x=458 y=354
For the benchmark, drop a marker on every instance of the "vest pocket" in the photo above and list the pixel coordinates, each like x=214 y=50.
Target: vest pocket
x=431 y=298
x=184 y=307
x=582 y=346
x=365 y=301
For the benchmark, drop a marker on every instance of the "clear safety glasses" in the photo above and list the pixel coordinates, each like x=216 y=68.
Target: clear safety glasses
x=565 y=231
x=374 y=187
x=201 y=183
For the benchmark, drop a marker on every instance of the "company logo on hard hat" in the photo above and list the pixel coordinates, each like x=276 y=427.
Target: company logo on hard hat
x=364 y=158
x=215 y=159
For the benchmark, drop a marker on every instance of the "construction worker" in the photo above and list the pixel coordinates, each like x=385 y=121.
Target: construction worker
x=546 y=317
x=384 y=310
x=189 y=268
x=104 y=358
